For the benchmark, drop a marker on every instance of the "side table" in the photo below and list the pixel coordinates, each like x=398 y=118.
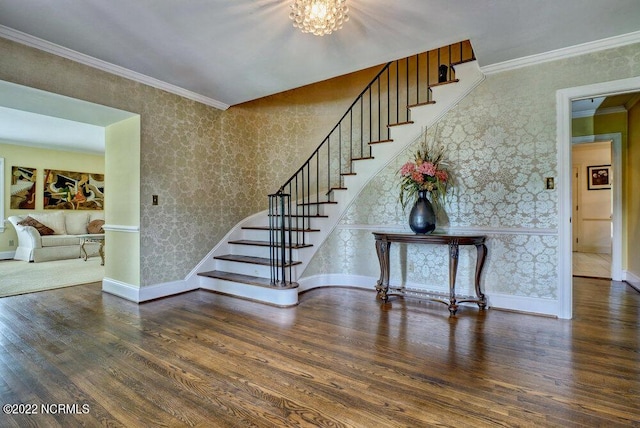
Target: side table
x=383 y=244
x=99 y=238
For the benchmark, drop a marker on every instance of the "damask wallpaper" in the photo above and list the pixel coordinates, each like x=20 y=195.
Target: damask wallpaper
x=502 y=141
x=183 y=157
x=212 y=168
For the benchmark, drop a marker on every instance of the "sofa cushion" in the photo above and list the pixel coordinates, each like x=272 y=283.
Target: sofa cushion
x=54 y=220
x=95 y=226
x=41 y=228
x=76 y=222
x=96 y=215
x=60 y=240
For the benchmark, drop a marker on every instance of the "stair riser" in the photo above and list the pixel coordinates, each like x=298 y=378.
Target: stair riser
x=257 y=251
x=247 y=268
x=311 y=210
x=263 y=235
x=284 y=297
x=249 y=250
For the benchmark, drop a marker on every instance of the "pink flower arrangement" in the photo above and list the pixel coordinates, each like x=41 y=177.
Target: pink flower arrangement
x=428 y=173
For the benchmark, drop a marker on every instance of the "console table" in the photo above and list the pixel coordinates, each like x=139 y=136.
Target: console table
x=383 y=243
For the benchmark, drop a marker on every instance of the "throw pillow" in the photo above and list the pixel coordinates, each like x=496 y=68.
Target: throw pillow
x=76 y=222
x=54 y=220
x=41 y=228
x=95 y=226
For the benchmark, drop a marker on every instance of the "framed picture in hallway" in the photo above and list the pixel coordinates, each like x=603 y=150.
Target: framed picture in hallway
x=599 y=177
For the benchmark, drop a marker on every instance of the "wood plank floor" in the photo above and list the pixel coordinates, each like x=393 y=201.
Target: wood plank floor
x=339 y=359
x=591 y=265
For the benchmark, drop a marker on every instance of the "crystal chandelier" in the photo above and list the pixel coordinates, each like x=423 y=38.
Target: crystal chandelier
x=319 y=17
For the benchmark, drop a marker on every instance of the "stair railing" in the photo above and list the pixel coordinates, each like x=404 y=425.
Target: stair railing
x=279 y=227
x=385 y=102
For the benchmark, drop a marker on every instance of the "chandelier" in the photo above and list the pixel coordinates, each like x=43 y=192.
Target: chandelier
x=319 y=17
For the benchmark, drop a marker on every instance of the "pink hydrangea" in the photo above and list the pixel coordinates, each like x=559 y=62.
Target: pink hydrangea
x=442 y=175
x=417 y=177
x=427 y=168
x=407 y=169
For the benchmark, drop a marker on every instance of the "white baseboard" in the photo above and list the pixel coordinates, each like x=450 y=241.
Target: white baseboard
x=143 y=294
x=7 y=255
x=631 y=278
x=355 y=281
x=532 y=305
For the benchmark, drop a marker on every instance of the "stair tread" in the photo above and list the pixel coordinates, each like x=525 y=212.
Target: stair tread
x=381 y=141
x=252 y=260
x=316 y=203
x=246 y=279
x=409 y=122
x=426 y=103
x=336 y=188
x=453 y=64
x=447 y=82
x=303 y=215
x=264 y=243
x=268 y=228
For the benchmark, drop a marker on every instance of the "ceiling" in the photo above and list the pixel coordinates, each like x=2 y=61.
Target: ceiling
x=228 y=52
x=35 y=118
x=604 y=105
x=225 y=52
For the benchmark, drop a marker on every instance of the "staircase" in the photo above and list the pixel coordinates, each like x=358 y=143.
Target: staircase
x=263 y=256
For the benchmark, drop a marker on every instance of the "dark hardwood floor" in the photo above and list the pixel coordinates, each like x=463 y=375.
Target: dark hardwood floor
x=339 y=359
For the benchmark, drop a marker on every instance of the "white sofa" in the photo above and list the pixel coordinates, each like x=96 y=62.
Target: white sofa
x=64 y=243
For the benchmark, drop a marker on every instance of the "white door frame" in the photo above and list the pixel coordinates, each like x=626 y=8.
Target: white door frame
x=563 y=145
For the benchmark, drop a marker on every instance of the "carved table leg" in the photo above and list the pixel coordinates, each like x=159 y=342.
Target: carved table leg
x=101 y=252
x=382 y=286
x=453 y=271
x=481 y=255
x=83 y=249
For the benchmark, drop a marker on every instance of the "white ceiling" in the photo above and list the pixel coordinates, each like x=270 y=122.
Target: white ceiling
x=231 y=51
x=35 y=118
x=225 y=52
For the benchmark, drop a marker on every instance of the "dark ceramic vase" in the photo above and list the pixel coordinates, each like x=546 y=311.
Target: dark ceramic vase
x=422 y=219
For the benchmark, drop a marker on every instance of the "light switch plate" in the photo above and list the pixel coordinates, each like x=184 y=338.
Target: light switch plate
x=550 y=183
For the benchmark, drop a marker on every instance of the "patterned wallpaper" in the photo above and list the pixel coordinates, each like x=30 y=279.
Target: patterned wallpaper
x=279 y=132
x=212 y=168
x=183 y=158
x=502 y=141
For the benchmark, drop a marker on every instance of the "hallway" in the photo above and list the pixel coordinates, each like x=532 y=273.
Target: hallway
x=592 y=265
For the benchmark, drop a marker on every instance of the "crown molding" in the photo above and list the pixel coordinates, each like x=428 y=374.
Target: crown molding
x=583 y=113
x=611 y=110
x=43 y=45
x=571 y=51
x=600 y=112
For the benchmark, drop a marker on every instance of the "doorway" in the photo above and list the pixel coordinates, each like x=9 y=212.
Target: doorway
x=564 y=98
x=121 y=131
x=592 y=209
